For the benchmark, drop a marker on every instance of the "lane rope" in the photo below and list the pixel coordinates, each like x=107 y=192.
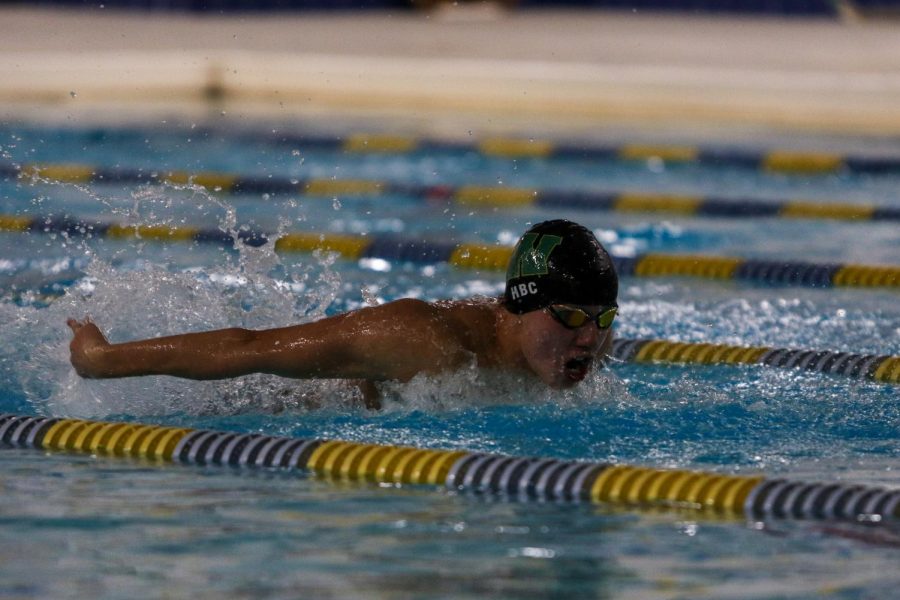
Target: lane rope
x=773 y=160
x=543 y=479
x=399 y=249
x=466 y=195
x=778 y=160
x=872 y=367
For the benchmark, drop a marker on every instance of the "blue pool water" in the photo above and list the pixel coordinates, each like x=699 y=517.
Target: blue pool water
x=73 y=525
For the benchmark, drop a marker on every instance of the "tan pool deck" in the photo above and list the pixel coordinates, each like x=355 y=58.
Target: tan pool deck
x=562 y=69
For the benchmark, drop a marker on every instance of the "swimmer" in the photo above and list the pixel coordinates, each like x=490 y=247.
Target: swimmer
x=553 y=323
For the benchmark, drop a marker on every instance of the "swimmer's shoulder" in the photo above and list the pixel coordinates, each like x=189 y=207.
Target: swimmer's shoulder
x=419 y=317
x=450 y=319
x=473 y=320
x=471 y=310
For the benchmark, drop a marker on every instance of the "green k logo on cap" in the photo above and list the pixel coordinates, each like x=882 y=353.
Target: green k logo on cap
x=531 y=255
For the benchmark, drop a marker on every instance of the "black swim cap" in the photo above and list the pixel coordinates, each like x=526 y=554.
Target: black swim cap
x=559 y=261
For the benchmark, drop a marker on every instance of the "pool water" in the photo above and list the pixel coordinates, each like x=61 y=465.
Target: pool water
x=74 y=525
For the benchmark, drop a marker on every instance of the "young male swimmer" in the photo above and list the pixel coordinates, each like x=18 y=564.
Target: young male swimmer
x=553 y=323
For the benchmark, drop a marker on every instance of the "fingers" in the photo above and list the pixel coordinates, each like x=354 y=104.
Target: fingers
x=75 y=325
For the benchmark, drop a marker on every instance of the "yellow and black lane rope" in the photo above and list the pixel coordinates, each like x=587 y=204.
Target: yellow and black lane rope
x=470 y=255
x=549 y=479
x=467 y=195
x=777 y=160
x=873 y=367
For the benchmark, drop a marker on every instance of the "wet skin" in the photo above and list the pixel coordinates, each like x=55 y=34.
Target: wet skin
x=559 y=356
x=393 y=341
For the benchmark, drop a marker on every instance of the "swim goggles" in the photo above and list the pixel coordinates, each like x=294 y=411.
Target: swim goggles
x=572 y=317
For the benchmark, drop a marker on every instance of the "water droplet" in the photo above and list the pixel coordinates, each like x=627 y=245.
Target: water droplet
x=72 y=93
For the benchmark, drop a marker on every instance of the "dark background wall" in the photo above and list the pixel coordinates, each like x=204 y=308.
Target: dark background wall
x=773 y=7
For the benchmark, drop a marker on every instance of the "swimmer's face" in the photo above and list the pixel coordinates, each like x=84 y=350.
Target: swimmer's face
x=559 y=356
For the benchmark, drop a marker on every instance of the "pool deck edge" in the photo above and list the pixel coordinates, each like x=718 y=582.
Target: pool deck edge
x=768 y=73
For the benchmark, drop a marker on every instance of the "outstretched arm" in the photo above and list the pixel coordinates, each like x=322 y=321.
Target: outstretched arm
x=391 y=341
x=207 y=355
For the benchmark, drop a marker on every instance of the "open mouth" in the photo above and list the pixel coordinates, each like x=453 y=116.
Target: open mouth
x=576 y=369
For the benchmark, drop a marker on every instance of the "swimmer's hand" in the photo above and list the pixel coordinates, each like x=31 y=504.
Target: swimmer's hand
x=87 y=348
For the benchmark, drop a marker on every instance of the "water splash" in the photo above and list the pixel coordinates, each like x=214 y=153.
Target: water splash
x=473 y=387
x=136 y=291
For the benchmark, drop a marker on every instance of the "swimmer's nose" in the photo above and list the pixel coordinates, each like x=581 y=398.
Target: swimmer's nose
x=588 y=336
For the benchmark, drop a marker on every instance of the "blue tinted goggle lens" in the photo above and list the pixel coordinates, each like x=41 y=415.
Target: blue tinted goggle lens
x=573 y=317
